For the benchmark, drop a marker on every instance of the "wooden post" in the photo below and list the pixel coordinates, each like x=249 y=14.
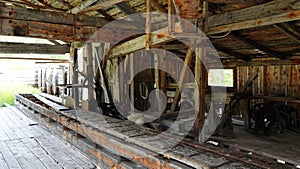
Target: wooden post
x=163 y=75
x=157 y=79
x=90 y=76
x=201 y=80
x=121 y=80
x=131 y=64
x=148 y=24
x=74 y=73
x=171 y=23
x=187 y=63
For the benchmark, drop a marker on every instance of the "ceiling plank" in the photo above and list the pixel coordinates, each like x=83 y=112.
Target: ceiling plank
x=257 y=45
x=49 y=6
x=277 y=11
x=231 y=52
x=293 y=35
x=81 y=6
x=101 y=5
x=6 y=47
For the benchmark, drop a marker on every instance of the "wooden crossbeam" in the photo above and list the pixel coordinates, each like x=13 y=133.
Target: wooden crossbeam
x=81 y=6
x=257 y=45
x=126 y=9
x=289 y=32
x=158 y=6
x=101 y=5
x=33 y=48
x=49 y=6
x=277 y=11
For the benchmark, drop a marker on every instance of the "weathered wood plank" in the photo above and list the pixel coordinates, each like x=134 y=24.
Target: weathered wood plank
x=53 y=105
x=265 y=14
x=9 y=157
x=101 y=5
x=33 y=48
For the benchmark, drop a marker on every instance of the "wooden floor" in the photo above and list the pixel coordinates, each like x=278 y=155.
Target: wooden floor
x=283 y=146
x=25 y=144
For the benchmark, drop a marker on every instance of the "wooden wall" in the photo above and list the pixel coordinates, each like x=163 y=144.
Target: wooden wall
x=279 y=80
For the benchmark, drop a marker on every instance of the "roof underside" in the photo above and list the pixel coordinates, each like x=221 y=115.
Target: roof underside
x=281 y=40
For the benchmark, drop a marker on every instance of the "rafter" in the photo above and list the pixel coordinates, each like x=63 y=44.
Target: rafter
x=50 y=6
x=126 y=9
x=101 y=5
x=276 y=11
x=24 y=3
x=232 y=53
x=289 y=32
x=257 y=45
x=81 y=6
x=158 y=6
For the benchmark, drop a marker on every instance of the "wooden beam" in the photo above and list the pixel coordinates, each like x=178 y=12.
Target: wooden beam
x=6 y=47
x=81 y=6
x=100 y=5
x=200 y=79
x=148 y=24
x=49 y=6
x=18 y=21
x=275 y=62
x=126 y=9
x=54 y=42
x=289 y=32
x=277 y=11
x=270 y=13
x=257 y=45
x=158 y=6
x=187 y=62
x=37 y=59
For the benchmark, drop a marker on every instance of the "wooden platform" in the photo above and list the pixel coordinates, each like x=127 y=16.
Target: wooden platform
x=25 y=144
x=122 y=144
x=283 y=146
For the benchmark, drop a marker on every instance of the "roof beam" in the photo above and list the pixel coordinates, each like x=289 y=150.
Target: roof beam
x=258 y=45
x=232 y=53
x=33 y=48
x=126 y=9
x=158 y=6
x=288 y=31
x=18 y=21
x=101 y=5
x=277 y=11
x=81 y=6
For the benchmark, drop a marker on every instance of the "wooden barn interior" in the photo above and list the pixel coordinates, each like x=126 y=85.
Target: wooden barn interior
x=155 y=84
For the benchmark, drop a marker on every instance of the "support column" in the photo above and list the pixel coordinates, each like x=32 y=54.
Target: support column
x=92 y=105
x=74 y=73
x=200 y=77
x=131 y=64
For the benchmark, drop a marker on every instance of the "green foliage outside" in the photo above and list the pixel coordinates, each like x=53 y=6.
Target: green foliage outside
x=7 y=92
x=220 y=77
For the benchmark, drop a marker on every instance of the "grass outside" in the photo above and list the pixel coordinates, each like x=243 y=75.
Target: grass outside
x=7 y=92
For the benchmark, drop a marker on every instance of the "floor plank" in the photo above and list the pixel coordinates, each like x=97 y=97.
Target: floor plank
x=26 y=145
